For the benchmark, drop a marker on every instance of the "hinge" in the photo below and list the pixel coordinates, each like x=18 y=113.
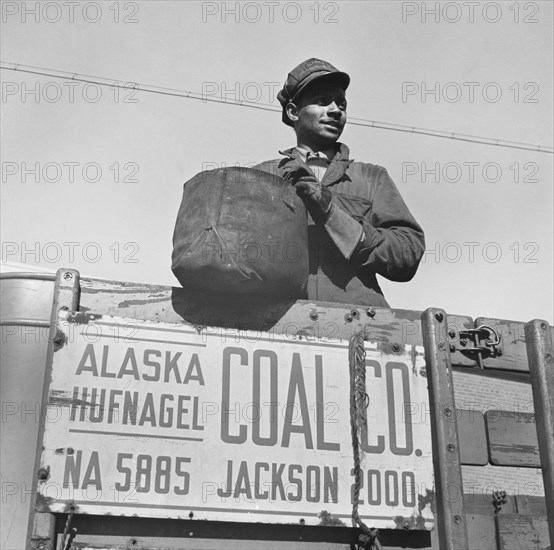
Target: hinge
x=481 y=342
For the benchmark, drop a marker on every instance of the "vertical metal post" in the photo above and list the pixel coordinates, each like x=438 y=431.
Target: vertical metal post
x=540 y=354
x=451 y=521
x=41 y=534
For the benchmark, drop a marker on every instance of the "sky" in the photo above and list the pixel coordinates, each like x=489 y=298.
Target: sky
x=92 y=176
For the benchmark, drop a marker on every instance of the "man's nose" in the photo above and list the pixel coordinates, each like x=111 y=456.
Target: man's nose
x=333 y=109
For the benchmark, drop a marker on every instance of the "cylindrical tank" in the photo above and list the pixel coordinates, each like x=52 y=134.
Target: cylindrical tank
x=26 y=305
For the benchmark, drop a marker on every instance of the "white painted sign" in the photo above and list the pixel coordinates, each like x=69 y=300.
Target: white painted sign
x=160 y=420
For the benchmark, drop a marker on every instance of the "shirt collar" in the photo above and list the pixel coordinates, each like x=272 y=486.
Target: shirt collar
x=307 y=155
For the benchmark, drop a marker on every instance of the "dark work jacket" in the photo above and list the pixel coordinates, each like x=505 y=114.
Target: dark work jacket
x=394 y=242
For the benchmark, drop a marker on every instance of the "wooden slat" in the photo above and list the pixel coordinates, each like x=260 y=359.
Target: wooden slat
x=178 y=305
x=472 y=437
x=480 y=532
x=512 y=438
x=530 y=505
x=481 y=505
x=520 y=532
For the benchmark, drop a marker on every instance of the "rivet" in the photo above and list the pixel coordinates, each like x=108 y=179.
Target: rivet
x=370 y=312
x=68 y=276
x=396 y=348
x=457 y=519
x=42 y=473
x=191 y=515
x=548 y=356
x=463 y=342
x=447 y=412
x=313 y=316
x=302 y=521
x=439 y=316
x=451 y=447
x=355 y=314
x=452 y=333
x=406 y=525
x=544 y=326
x=348 y=318
x=452 y=348
x=442 y=346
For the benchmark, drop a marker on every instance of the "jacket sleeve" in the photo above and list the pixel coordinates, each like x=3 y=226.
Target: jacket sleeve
x=394 y=242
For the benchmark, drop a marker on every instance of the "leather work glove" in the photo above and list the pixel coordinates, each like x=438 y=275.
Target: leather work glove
x=345 y=231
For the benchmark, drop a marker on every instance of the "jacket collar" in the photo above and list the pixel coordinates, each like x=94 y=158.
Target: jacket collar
x=337 y=168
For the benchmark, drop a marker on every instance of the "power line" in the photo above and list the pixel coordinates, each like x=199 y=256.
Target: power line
x=149 y=88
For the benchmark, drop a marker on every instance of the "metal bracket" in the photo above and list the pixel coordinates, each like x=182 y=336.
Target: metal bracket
x=484 y=342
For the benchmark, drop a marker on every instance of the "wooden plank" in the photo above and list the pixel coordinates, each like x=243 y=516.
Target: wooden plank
x=307 y=319
x=473 y=437
x=532 y=506
x=480 y=532
x=512 y=438
x=520 y=532
x=481 y=505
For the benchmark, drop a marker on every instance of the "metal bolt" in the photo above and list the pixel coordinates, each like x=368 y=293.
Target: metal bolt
x=302 y=521
x=442 y=346
x=355 y=313
x=451 y=447
x=348 y=318
x=463 y=342
x=370 y=312
x=67 y=276
x=439 y=316
x=452 y=333
x=313 y=316
x=447 y=412
x=457 y=519
x=396 y=348
x=544 y=326
x=42 y=473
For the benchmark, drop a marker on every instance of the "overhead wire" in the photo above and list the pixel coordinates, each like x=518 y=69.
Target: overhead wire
x=354 y=121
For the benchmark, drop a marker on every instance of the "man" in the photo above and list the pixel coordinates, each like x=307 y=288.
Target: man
x=359 y=225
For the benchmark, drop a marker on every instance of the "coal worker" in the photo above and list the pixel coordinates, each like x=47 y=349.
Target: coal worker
x=359 y=226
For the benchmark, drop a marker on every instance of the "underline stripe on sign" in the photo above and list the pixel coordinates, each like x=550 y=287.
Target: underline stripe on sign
x=133 y=339
x=130 y=324
x=208 y=509
x=127 y=434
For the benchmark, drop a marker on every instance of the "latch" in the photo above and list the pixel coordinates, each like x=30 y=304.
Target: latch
x=482 y=342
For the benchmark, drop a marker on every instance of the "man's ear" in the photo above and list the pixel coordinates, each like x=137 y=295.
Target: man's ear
x=292 y=111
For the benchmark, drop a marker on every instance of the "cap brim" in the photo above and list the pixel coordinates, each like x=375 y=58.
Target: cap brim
x=343 y=78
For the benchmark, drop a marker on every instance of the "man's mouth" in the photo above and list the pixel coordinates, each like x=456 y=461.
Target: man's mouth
x=332 y=123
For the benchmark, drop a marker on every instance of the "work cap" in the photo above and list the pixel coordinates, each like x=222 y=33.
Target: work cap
x=302 y=75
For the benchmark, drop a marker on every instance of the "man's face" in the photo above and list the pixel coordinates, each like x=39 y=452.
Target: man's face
x=321 y=112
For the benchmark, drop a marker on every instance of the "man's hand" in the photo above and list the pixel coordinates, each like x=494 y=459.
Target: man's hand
x=318 y=198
